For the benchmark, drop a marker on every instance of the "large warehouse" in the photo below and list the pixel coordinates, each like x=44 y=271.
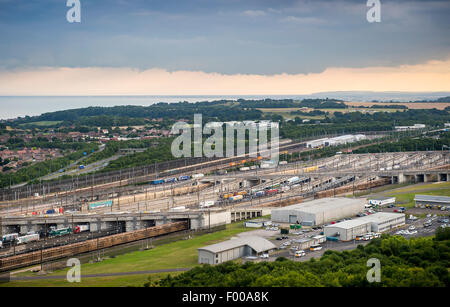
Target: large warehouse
x=378 y=222
x=431 y=201
x=234 y=249
x=319 y=211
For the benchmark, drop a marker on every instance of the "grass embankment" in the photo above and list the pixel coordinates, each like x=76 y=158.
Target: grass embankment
x=176 y=255
x=405 y=195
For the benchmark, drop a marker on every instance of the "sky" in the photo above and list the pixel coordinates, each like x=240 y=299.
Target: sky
x=213 y=47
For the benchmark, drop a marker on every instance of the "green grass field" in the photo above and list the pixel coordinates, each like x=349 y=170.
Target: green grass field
x=42 y=123
x=176 y=255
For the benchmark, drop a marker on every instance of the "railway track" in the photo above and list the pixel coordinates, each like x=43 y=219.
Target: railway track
x=37 y=257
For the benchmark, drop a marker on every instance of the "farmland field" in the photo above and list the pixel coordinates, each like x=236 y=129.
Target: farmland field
x=410 y=105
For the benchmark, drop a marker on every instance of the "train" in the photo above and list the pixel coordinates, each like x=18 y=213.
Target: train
x=174 y=179
x=9 y=238
x=27 y=238
x=60 y=232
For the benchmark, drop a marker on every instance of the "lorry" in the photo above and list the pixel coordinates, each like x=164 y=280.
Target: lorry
x=81 y=228
x=207 y=204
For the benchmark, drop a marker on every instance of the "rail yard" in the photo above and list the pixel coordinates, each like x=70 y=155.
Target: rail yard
x=70 y=218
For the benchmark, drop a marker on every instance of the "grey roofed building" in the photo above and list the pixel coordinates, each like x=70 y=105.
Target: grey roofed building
x=319 y=211
x=432 y=199
x=234 y=249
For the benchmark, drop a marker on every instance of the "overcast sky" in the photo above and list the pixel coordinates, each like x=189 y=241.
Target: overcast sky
x=226 y=37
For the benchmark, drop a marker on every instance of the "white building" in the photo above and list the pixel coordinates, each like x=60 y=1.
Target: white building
x=319 y=211
x=384 y=221
x=378 y=222
x=234 y=249
x=406 y=128
x=348 y=230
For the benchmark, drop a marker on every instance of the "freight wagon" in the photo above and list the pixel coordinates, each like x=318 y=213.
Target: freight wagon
x=226 y=196
x=156 y=182
x=102 y=204
x=170 y=180
x=260 y=193
x=27 y=239
x=23 y=260
x=236 y=198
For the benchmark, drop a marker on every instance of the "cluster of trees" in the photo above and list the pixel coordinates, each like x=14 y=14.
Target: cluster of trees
x=112 y=148
x=418 y=262
x=159 y=152
x=135 y=115
x=409 y=144
x=42 y=142
x=357 y=121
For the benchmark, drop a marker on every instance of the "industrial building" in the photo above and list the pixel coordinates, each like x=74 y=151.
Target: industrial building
x=430 y=201
x=234 y=249
x=257 y=223
x=406 y=128
x=319 y=211
x=348 y=230
x=336 y=141
x=385 y=221
x=382 y=201
x=305 y=243
x=378 y=222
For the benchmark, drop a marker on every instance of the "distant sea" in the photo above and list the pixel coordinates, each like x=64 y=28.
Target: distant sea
x=15 y=106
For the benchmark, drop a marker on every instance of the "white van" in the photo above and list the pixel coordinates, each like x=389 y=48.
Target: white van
x=300 y=253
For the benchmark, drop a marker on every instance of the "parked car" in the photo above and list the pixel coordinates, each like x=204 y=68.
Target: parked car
x=265 y=256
